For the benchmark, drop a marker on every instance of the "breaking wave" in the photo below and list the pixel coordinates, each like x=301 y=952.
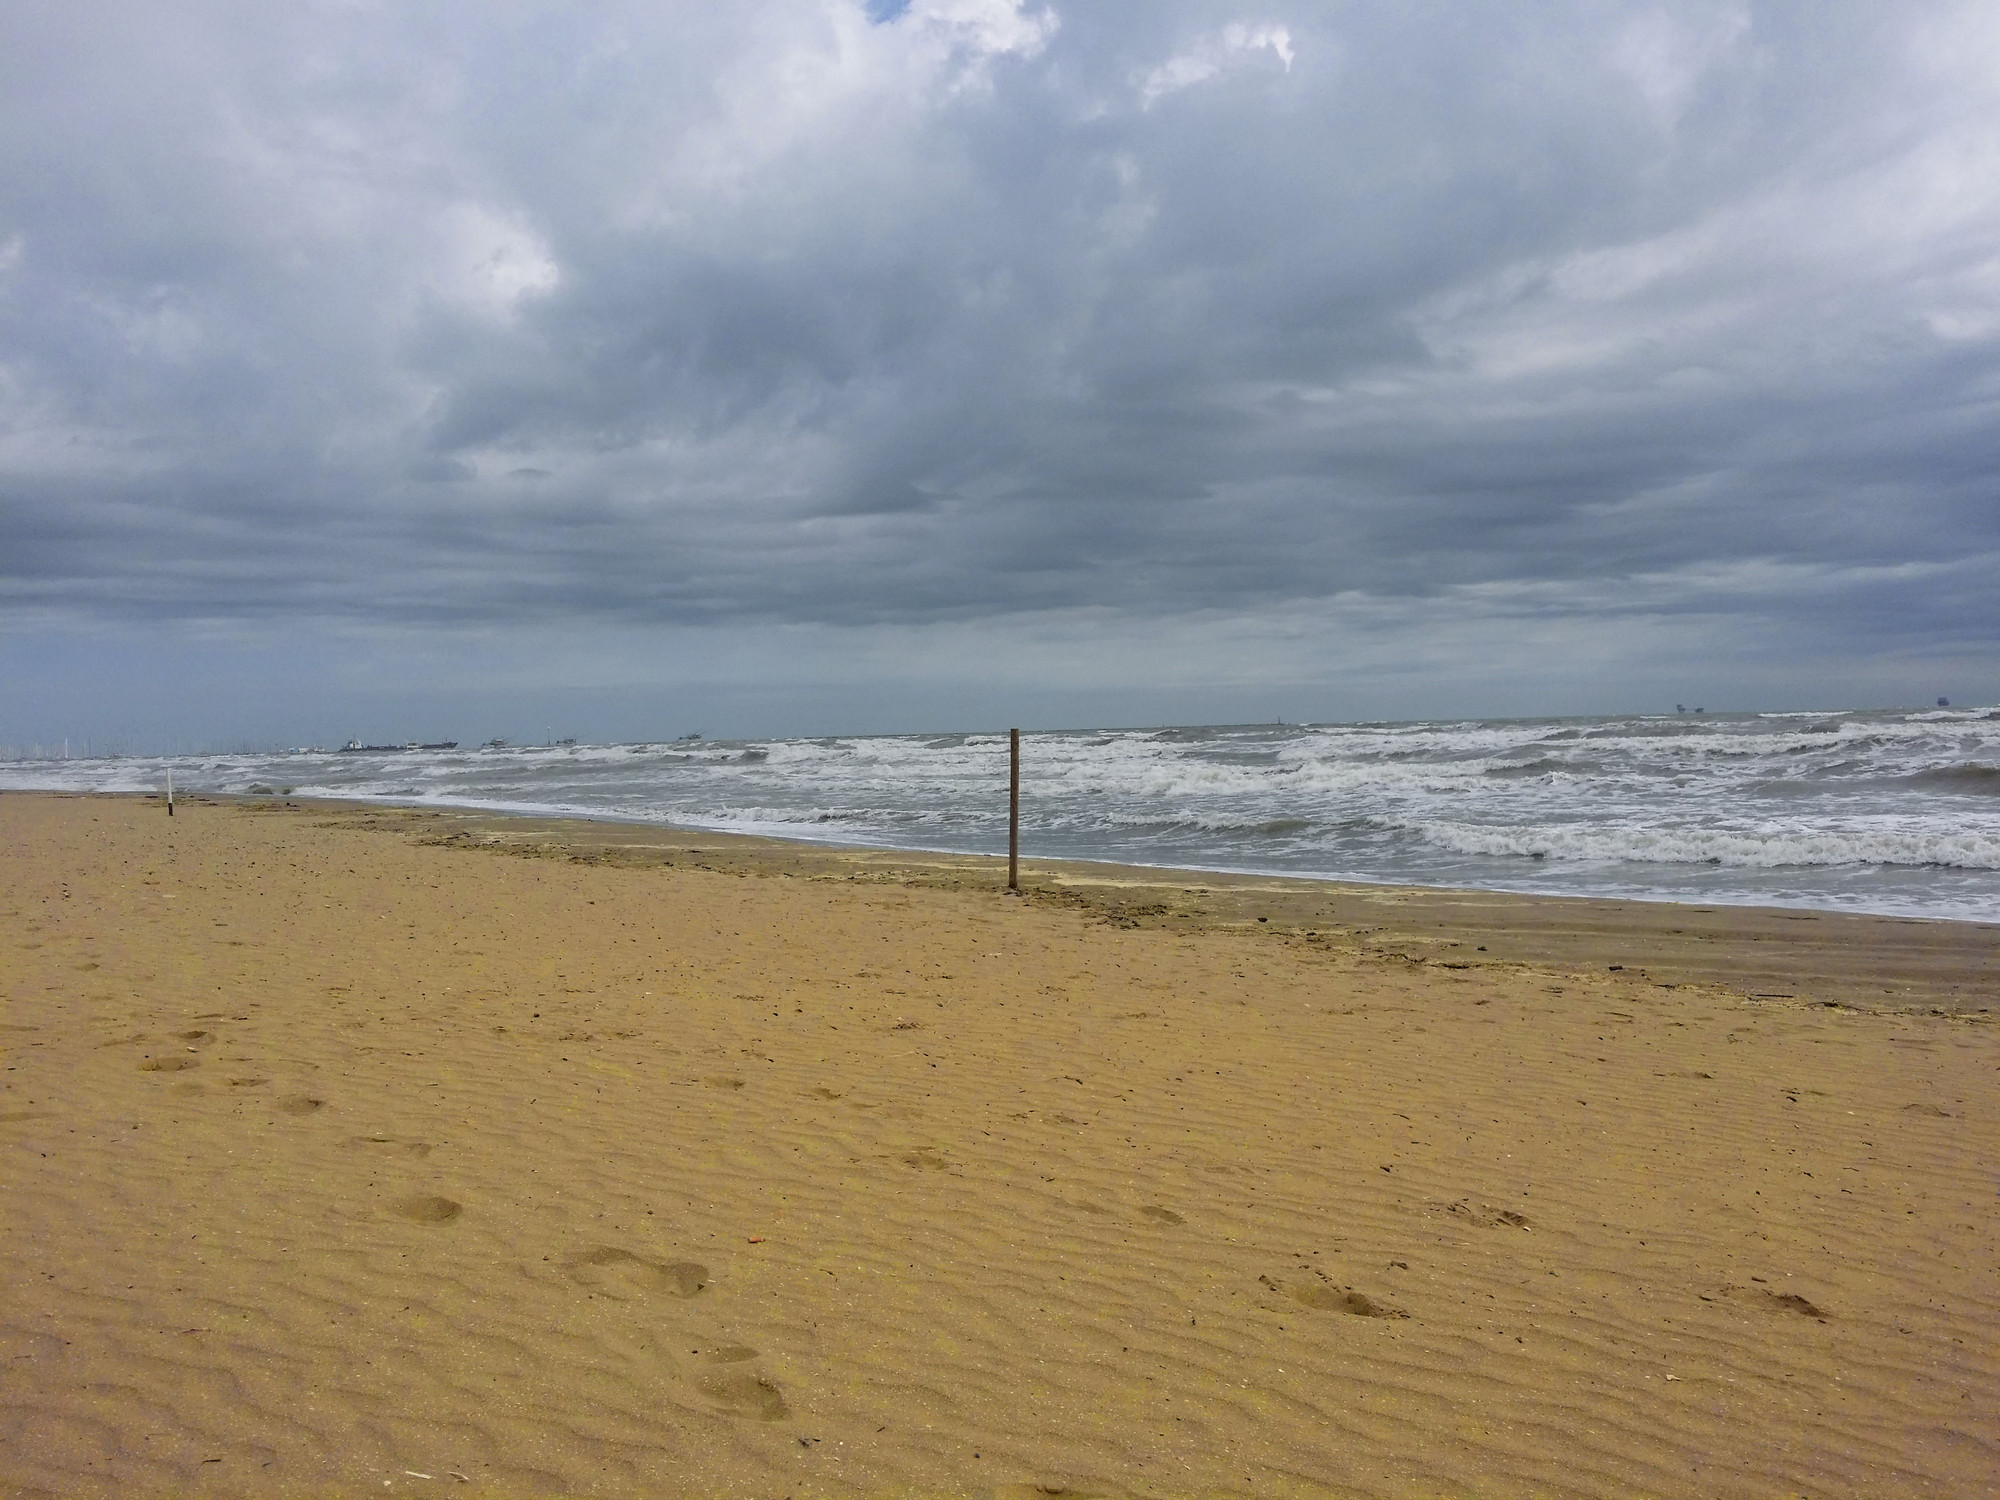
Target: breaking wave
x=1736 y=848
x=1971 y=776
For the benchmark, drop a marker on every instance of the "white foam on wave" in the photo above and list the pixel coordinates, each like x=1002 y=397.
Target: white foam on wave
x=84 y=776
x=1955 y=715
x=1749 y=849
x=853 y=817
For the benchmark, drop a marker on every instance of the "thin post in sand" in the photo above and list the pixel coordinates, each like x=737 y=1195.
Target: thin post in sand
x=170 y=791
x=1014 y=810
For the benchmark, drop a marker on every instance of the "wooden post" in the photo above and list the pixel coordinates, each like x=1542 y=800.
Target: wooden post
x=1013 y=809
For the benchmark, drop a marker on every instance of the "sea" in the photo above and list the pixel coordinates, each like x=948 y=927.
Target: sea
x=1886 y=811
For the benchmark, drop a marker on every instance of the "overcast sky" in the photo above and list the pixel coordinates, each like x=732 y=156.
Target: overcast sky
x=790 y=366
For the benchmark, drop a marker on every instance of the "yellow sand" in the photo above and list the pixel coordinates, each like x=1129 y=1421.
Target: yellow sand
x=336 y=1145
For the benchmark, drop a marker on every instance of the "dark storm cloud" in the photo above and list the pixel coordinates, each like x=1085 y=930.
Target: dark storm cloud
x=811 y=311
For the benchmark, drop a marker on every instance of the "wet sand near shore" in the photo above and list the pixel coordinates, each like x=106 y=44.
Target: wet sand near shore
x=342 y=1153
x=1871 y=962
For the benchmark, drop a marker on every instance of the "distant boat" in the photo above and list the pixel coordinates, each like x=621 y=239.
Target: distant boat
x=570 y=741
x=496 y=744
x=355 y=747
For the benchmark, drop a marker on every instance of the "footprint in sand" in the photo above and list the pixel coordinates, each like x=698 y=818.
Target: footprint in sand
x=823 y=1092
x=300 y=1104
x=722 y=1081
x=1162 y=1215
x=1770 y=1301
x=391 y=1144
x=744 y=1393
x=607 y=1269
x=1046 y=1489
x=427 y=1208
x=248 y=1083
x=1345 y=1300
x=202 y=1037
x=1487 y=1215
x=169 y=1064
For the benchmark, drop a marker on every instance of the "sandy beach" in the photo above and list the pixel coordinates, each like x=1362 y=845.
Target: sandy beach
x=364 y=1151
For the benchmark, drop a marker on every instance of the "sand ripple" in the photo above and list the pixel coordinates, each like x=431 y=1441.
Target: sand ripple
x=583 y=1179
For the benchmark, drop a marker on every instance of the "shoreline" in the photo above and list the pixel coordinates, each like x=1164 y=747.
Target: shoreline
x=546 y=815
x=1771 y=953
x=1916 y=848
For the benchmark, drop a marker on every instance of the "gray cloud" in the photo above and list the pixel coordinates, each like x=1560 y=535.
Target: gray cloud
x=781 y=314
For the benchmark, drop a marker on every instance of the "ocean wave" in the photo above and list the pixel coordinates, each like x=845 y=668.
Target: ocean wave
x=1088 y=819
x=1541 y=766
x=1968 y=776
x=1734 y=848
x=858 y=818
x=1182 y=779
x=1670 y=730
